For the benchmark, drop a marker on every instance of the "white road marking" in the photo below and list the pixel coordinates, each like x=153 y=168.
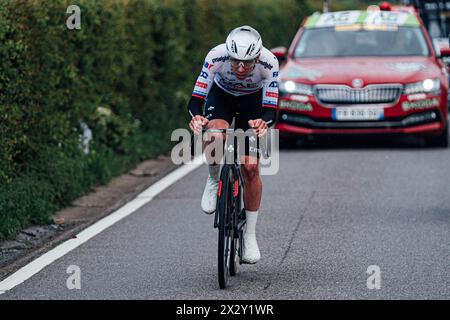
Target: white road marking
x=143 y=198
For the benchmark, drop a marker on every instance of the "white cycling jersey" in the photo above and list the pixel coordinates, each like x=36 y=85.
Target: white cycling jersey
x=217 y=68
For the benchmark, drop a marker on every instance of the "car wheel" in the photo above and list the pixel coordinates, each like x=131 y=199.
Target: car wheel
x=288 y=142
x=438 y=141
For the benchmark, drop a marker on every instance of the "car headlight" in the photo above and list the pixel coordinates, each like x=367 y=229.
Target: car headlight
x=295 y=87
x=425 y=86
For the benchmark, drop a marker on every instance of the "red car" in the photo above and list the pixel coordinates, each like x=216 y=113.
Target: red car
x=362 y=72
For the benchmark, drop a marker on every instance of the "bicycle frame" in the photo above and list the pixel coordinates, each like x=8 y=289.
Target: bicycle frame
x=229 y=217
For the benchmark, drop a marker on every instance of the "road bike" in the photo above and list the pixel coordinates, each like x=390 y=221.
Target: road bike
x=229 y=217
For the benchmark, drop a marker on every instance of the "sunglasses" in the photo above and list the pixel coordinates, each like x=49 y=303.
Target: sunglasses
x=245 y=63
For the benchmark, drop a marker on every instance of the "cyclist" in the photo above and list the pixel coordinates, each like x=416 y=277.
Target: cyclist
x=239 y=79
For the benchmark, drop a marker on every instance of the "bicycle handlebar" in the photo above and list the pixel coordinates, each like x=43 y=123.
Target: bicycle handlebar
x=265 y=147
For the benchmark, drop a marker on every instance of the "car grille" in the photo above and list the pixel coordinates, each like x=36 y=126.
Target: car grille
x=341 y=94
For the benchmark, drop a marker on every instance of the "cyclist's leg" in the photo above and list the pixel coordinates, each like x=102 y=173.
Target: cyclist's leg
x=252 y=200
x=220 y=117
x=250 y=109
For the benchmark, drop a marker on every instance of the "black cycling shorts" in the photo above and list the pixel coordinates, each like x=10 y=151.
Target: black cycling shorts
x=222 y=105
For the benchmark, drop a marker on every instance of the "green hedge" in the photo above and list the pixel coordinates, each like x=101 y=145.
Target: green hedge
x=127 y=74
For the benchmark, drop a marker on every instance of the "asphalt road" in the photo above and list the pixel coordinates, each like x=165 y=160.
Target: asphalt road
x=330 y=213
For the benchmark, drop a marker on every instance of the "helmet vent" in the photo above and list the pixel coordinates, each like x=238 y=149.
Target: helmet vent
x=250 y=49
x=233 y=47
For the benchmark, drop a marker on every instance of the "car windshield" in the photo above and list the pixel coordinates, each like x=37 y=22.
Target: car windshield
x=332 y=42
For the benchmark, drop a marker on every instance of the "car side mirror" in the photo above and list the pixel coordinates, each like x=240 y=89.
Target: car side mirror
x=445 y=52
x=445 y=56
x=280 y=53
x=437 y=48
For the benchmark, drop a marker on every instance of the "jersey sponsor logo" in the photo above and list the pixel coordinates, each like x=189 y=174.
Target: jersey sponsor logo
x=204 y=74
x=275 y=74
x=266 y=65
x=271 y=94
x=238 y=85
x=273 y=84
x=220 y=59
x=208 y=65
x=201 y=84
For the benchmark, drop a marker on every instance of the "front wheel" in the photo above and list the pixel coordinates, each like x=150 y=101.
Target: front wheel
x=225 y=236
x=237 y=224
x=440 y=140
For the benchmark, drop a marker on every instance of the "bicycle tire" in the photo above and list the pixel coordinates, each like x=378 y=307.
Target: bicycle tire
x=235 y=241
x=223 y=252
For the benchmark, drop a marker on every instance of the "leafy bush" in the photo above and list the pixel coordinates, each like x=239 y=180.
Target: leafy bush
x=127 y=75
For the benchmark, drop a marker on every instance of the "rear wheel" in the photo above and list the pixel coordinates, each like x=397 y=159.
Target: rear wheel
x=233 y=254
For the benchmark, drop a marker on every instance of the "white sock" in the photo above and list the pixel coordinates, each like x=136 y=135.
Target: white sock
x=252 y=217
x=214 y=171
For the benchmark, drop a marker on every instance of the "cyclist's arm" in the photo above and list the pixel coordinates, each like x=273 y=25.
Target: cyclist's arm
x=269 y=116
x=213 y=61
x=195 y=106
x=270 y=93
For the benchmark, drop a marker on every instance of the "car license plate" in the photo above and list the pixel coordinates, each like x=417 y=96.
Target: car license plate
x=358 y=113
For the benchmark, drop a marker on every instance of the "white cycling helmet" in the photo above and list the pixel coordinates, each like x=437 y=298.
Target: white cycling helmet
x=244 y=43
